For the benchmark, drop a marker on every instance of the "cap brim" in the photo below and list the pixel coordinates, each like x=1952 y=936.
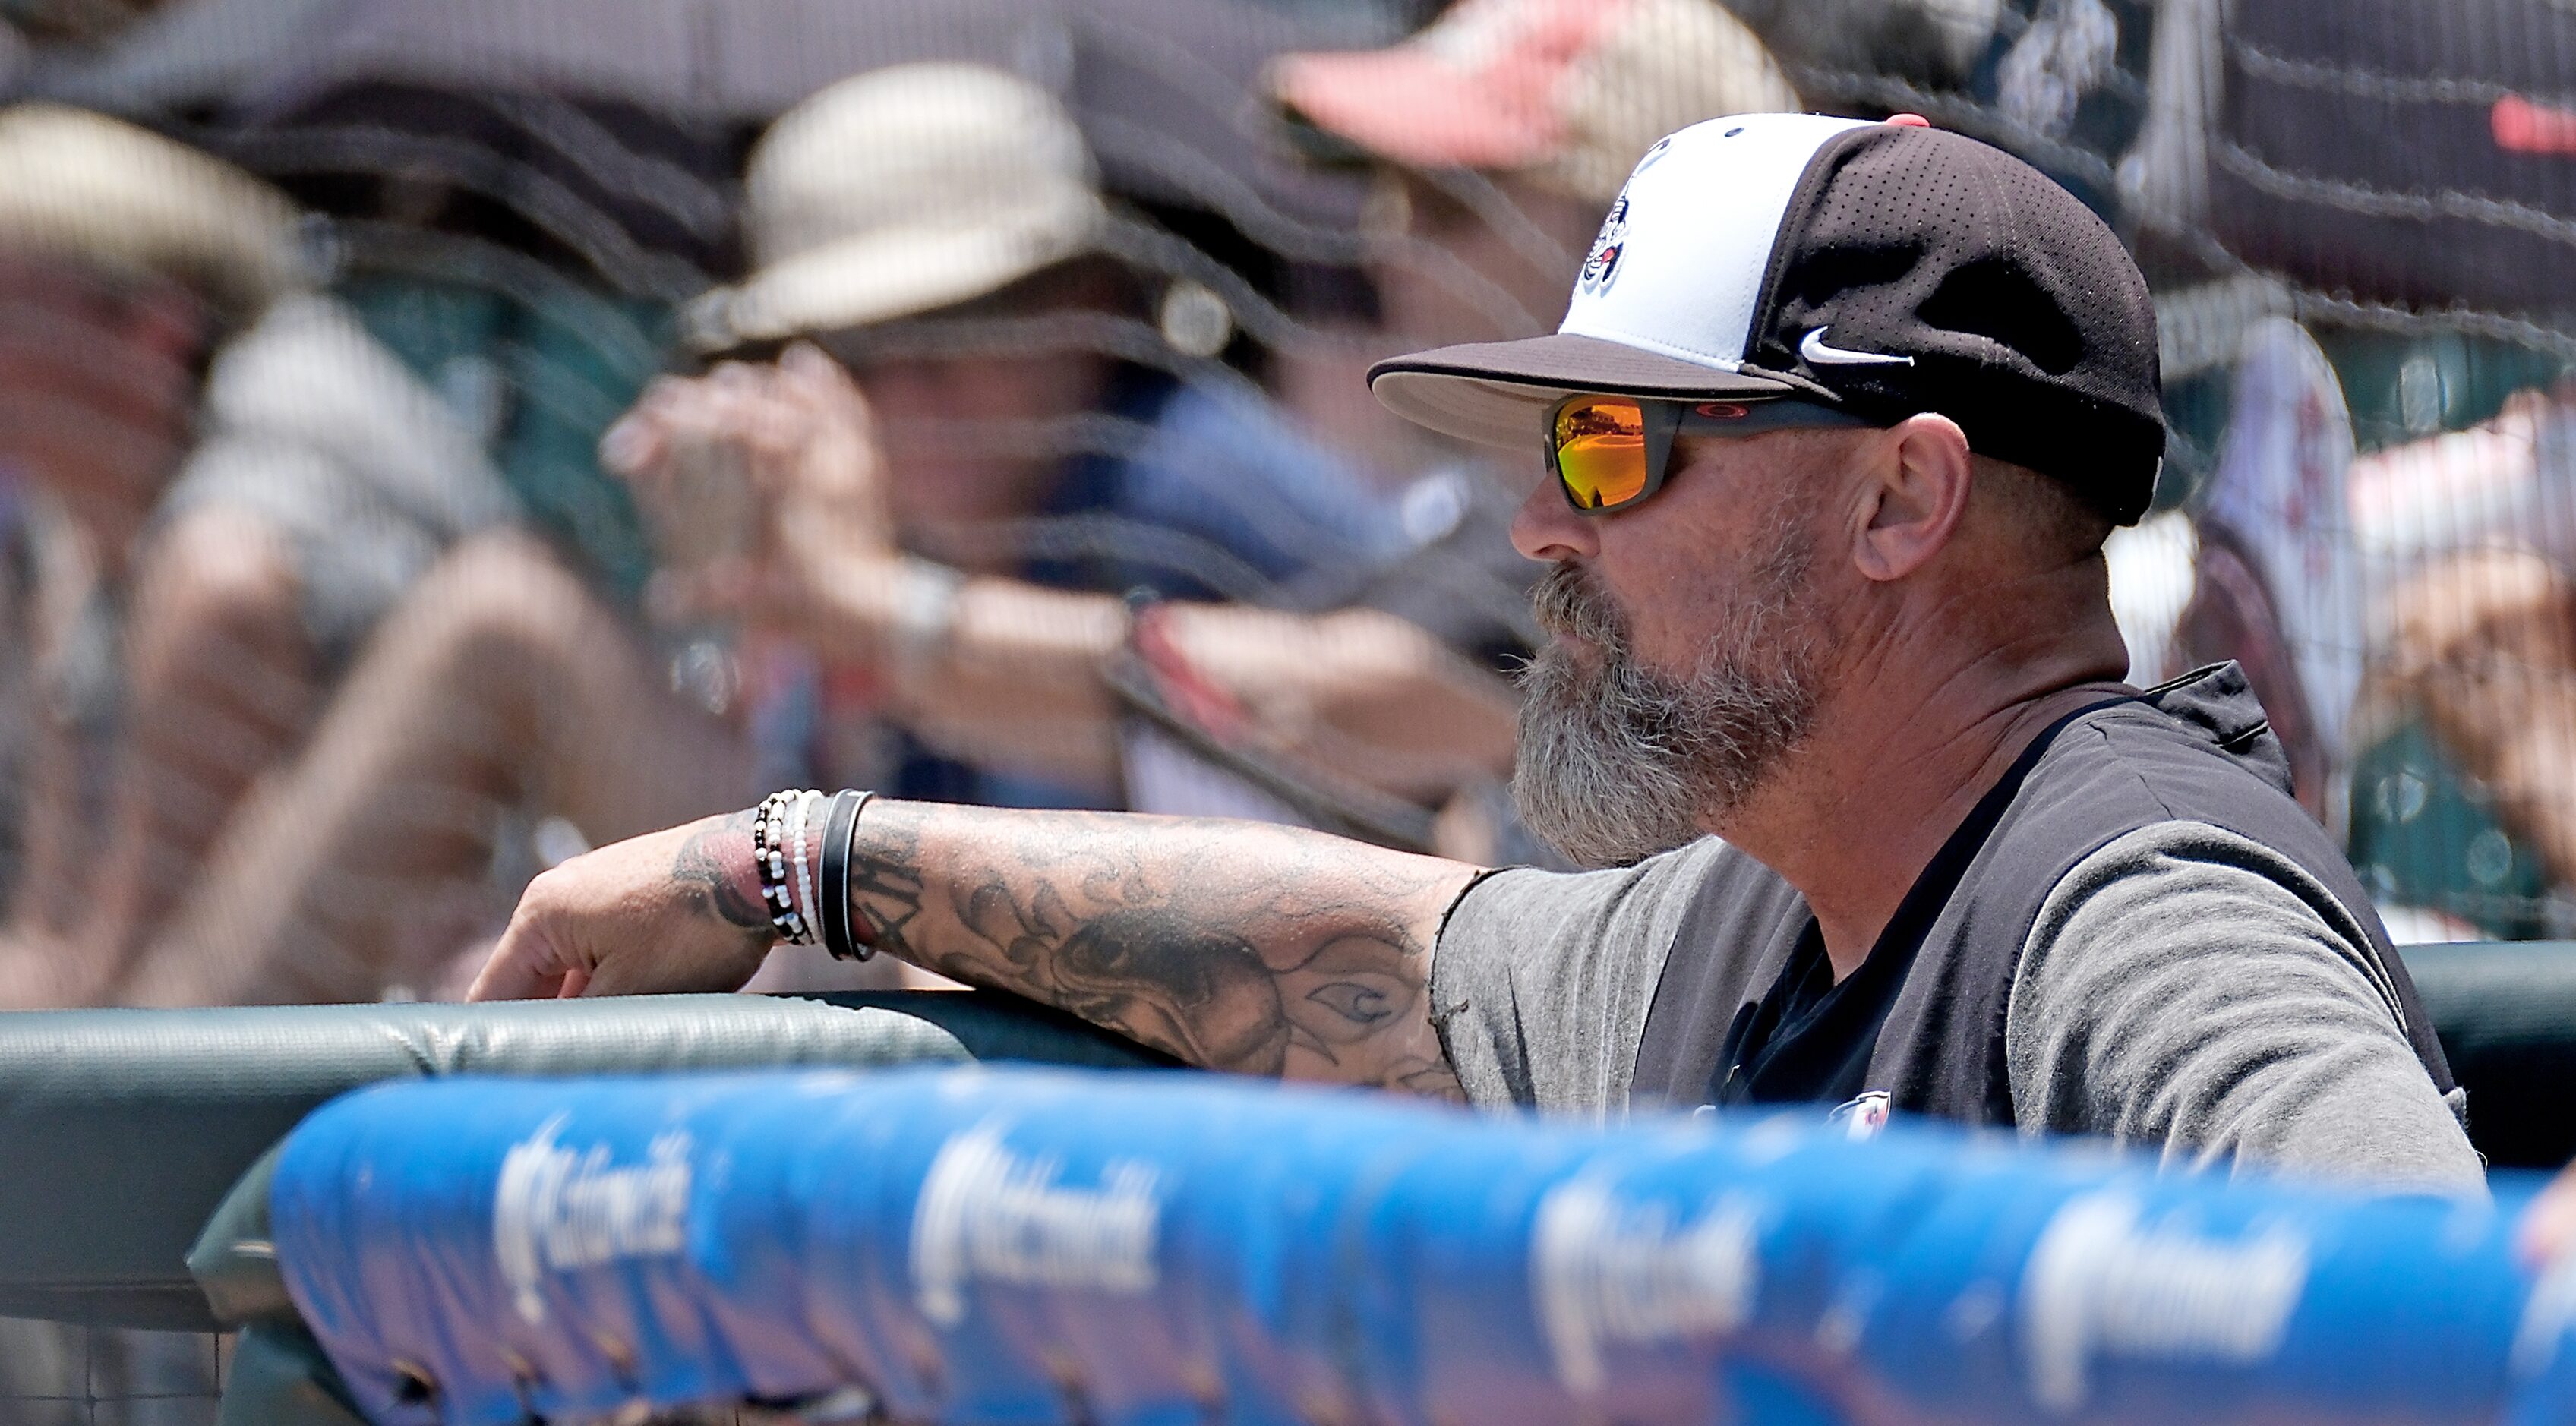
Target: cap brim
x=1497 y=393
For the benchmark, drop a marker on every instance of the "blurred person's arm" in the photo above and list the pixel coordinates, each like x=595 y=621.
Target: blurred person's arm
x=2485 y=644
x=999 y=670
x=1016 y=677
x=1233 y=945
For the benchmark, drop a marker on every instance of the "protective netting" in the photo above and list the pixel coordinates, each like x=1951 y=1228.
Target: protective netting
x=353 y=568
x=1126 y=528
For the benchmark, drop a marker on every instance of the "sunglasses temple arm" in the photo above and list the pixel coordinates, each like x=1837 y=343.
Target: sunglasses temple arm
x=1663 y=421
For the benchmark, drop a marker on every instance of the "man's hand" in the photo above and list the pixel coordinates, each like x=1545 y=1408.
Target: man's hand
x=2483 y=607
x=668 y=912
x=765 y=490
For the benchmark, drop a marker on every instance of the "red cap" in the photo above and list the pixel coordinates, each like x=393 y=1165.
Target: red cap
x=1566 y=92
x=1909 y=121
x=1476 y=90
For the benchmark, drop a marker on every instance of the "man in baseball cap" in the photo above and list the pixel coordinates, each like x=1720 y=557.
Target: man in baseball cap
x=1833 y=432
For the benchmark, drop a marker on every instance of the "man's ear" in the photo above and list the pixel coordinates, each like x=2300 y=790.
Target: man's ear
x=1919 y=475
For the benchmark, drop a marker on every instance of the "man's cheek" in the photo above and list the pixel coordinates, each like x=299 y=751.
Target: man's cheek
x=1666 y=641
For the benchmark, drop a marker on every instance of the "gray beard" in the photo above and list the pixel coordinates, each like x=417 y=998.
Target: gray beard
x=1618 y=763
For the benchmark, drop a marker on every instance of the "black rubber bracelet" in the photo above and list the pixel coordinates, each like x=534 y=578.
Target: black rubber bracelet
x=833 y=886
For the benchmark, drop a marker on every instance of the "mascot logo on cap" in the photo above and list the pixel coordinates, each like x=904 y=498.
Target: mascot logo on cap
x=1601 y=265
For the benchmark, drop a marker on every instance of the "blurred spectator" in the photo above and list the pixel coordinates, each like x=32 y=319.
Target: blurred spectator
x=989 y=304
x=1502 y=131
x=2403 y=617
x=2485 y=646
x=969 y=272
x=2279 y=580
x=2476 y=625
x=214 y=485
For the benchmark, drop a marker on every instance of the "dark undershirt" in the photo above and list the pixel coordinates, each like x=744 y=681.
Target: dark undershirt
x=1809 y=1038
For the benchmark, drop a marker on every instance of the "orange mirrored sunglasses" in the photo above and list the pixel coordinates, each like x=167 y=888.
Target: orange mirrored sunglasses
x=1610 y=452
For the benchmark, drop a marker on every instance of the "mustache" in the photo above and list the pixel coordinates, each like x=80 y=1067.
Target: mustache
x=1568 y=601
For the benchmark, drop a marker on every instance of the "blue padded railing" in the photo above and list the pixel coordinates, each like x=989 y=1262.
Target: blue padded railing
x=1020 y=1248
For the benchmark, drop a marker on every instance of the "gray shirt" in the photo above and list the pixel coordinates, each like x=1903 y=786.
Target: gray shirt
x=2182 y=990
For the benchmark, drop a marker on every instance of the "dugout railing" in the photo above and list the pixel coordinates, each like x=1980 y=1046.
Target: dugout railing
x=127 y=1129
x=124 y=1129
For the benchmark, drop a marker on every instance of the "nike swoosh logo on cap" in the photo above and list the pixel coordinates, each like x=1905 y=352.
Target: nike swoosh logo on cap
x=1814 y=351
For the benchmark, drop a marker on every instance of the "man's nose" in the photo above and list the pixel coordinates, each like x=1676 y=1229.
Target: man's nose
x=1546 y=528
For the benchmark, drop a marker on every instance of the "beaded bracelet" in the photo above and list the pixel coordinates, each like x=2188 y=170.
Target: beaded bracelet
x=773 y=885
x=769 y=843
x=806 y=920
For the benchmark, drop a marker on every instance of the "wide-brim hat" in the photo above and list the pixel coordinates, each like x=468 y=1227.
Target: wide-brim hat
x=108 y=195
x=901 y=192
x=893 y=273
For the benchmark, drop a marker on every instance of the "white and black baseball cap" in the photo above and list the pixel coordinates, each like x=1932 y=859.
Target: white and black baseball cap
x=1882 y=269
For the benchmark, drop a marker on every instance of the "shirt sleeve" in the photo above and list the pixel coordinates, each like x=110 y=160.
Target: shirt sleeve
x=1540 y=981
x=2190 y=989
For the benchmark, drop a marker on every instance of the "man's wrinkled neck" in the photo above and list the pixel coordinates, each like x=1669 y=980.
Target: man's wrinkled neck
x=1916 y=731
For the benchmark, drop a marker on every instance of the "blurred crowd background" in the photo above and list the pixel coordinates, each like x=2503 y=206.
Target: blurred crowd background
x=438 y=436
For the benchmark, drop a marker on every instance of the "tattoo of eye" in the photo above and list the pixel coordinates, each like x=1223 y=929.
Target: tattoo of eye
x=731 y=892
x=1360 y=1004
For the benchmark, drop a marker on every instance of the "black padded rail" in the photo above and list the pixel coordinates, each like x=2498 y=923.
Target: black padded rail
x=2506 y=1012
x=120 y=1130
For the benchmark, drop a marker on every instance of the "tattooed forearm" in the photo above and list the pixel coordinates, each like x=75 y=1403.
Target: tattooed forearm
x=1264 y=950
x=718 y=876
x=885 y=884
